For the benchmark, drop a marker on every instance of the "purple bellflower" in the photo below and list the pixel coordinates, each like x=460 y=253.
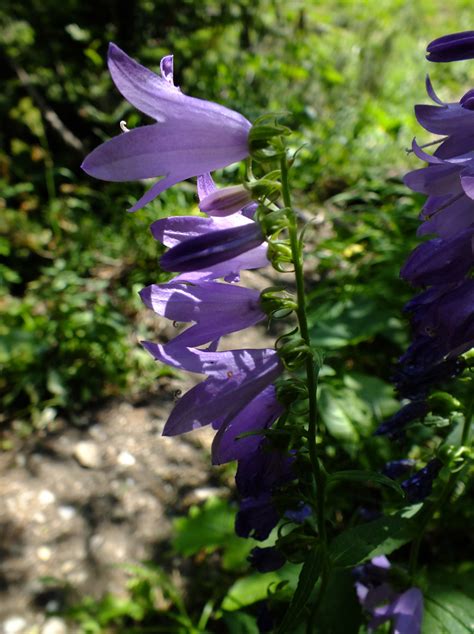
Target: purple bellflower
x=377 y=597
x=177 y=230
x=441 y=261
x=258 y=415
x=209 y=249
x=216 y=308
x=418 y=486
x=266 y=559
x=395 y=425
x=234 y=379
x=451 y=48
x=225 y=201
x=191 y=136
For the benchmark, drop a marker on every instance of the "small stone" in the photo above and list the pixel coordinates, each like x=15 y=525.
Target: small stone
x=46 y=497
x=44 y=553
x=14 y=625
x=126 y=459
x=87 y=454
x=54 y=625
x=66 y=512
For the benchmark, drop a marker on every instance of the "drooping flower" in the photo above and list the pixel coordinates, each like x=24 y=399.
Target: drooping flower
x=266 y=559
x=191 y=136
x=397 y=468
x=176 y=230
x=216 y=308
x=395 y=425
x=452 y=47
x=225 y=201
x=257 y=416
x=234 y=379
x=379 y=599
x=418 y=486
x=441 y=261
x=209 y=249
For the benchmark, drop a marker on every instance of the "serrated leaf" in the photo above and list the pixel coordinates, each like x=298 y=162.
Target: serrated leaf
x=365 y=476
x=380 y=537
x=449 y=602
x=309 y=575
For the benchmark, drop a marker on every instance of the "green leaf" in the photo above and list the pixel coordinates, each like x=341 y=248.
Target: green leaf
x=449 y=601
x=365 y=476
x=344 y=414
x=249 y=590
x=340 y=611
x=347 y=323
x=309 y=575
x=254 y=587
x=208 y=528
x=380 y=537
x=240 y=623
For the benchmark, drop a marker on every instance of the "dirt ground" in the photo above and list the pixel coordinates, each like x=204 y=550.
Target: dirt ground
x=79 y=502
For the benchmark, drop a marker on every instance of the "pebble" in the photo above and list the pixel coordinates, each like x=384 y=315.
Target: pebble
x=44 y=553
x=14 y=625
x=46 y=497
x=66 y=512
x=87 y=454
x=126 y=459
x=54 y=625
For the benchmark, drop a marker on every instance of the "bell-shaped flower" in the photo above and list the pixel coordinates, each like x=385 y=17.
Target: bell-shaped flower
x=191 y=136
x=209 y=249
x=176 y=230
x=225 y=201
x=234 y=379
x=215 y=308
x=418 y=486
x=452 y=47
x=257 y=416
x=440 y=261
x=379 y=599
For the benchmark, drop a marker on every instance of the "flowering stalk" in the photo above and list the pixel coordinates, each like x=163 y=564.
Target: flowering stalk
x=312 y=372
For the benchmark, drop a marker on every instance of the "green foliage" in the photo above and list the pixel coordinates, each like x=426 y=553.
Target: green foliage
x=380 y=537
x=449 y=601
x=211 y=527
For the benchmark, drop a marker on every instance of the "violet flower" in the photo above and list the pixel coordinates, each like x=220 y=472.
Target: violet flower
x=176 y=230
x=216 y=308
x=234 y=379
x=441 y=261
x=451 y=48
x=378 y=598
x=190 y=136
x=418 y=486
x=225 y=201
x=209 y=249
x=396 y=424
x=258 y=415
x=266 y=559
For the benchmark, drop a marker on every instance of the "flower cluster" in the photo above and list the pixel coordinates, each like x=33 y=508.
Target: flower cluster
x=238 y=396
x=442 y=314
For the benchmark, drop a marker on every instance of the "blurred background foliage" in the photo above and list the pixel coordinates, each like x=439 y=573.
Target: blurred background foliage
x=72 y=259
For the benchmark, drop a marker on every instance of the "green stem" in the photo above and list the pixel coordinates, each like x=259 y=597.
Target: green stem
x=312 y=380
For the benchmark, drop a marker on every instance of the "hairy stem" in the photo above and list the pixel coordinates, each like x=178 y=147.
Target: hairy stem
x=312 y=380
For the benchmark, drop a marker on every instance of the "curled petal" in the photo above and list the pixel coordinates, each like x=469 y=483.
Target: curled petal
x=212 y=248
x=217 y=308
x=452 y=47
